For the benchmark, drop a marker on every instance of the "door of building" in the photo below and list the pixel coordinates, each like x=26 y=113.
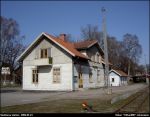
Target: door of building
x=80 y=80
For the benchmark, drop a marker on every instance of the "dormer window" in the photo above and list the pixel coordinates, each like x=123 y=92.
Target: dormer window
x=97 y=58
x=45 y=53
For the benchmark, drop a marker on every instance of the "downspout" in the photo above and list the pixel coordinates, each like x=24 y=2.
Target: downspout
x=75 y=60
x=73 y=84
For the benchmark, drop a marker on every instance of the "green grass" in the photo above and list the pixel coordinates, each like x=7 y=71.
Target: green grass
x=58 y=106
x=9 y=85
x=63 y=106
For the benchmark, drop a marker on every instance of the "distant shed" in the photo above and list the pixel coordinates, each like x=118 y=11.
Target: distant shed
x=117 y=78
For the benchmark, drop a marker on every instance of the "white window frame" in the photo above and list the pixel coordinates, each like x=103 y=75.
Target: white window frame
x=98 y=75
x=35 y=76
x=90 y=77
x=55 y=72
x=112 y=79
x=42 y=53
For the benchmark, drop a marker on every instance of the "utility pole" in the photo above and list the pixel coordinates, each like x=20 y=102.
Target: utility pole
x=107 y=81
x=147 y=80
x=145 y=64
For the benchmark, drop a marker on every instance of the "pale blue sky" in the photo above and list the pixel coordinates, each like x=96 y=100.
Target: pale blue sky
x=57 y=17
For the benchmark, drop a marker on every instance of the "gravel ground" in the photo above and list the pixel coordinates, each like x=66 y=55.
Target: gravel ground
x=15 y=96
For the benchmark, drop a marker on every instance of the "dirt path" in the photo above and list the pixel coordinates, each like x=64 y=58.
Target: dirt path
x=19 y=97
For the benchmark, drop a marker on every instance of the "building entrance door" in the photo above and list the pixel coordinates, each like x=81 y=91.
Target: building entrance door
x=80 y=80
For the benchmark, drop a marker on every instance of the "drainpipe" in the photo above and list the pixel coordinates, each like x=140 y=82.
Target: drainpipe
x=73 y=84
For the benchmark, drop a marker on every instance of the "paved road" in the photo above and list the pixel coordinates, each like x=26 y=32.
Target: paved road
x=15 y=96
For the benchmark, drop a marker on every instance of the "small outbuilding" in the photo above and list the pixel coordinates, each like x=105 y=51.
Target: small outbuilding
x=117 y=78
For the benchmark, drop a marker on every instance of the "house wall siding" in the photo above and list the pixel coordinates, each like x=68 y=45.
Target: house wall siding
x=58 y=55
x=116 y=79
x=119 y=81
x=60 y=59
x=94 y=66
x=92 y=53
x=124 y=80
x=85 y=76
x=45 y=81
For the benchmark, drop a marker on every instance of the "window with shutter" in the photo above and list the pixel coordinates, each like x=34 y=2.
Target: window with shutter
x=49 y=52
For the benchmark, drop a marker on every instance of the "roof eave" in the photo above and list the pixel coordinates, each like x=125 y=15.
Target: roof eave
x=20 y=58
x=59 y=44
x=92 y=44
x=118 y=73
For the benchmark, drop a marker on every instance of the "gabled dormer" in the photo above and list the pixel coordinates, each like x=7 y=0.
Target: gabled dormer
x=91 y=49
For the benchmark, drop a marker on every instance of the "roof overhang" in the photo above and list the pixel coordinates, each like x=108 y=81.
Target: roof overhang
x=59 y=44
x=21 y=57
x=28 y=48
x=116 y=72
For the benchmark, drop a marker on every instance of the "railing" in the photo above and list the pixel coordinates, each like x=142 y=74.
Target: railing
x=39 y=62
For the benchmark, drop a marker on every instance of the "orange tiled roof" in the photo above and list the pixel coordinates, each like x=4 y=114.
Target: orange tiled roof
x=67 y=45
x=71 y=48
x=120 y=72
x=104 y=62
x=84 y=44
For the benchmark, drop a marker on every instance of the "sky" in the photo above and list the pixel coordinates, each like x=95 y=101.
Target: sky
x=56 y=17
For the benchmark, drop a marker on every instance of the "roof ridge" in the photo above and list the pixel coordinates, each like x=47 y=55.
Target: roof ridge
x=86 y=41
x=68 y=46
x=63 y=44
x=122 y=73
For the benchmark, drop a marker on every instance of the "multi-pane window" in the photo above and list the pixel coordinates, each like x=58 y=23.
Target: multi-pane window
x=35 y=76
x=90 y=78
x=113 y=80
x=80 y=80
x=75 y=79
x=97 y=58
x=56 y=75
x=98 y=75
x=44 y=53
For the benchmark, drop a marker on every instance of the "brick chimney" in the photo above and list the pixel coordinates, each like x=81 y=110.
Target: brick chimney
x=62 y=36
